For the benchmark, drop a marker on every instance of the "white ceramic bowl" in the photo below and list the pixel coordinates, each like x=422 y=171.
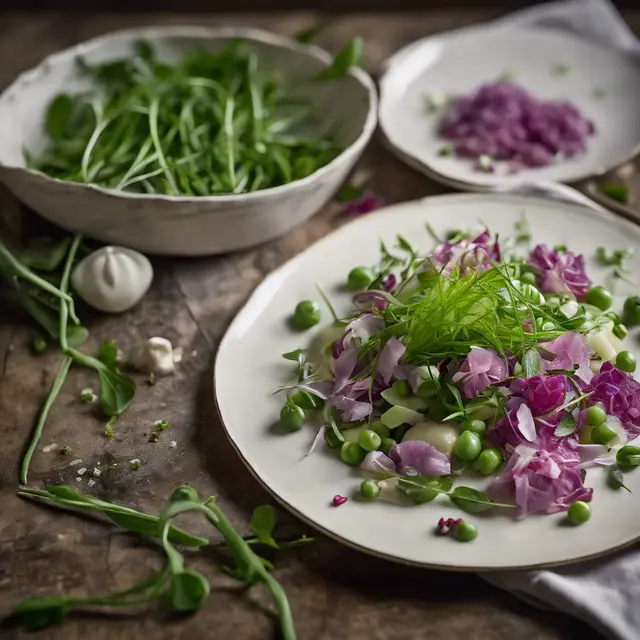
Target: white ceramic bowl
x=177 y=225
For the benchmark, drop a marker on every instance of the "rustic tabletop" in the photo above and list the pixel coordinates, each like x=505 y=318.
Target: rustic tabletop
x=335 y=592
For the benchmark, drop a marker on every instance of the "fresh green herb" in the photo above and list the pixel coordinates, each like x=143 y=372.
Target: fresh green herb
x=619 y=192
x=349 y=192
x=159 y=427
x=263 y=522
x=628 y=456
x=566 y=426
x=423 y=489
x=560 y=69
x=309 y=35
x=531 y=363
x=134 y=464
x=523 y=232
x=184 y=590
x=65 y=451
x=473 y=501
x=434 y=101
x=212 y=123
x=616 y=478
x=108 y=430
x=352 y=55
x=108 y=354
x=507 y=76
x=152 y=379
x=446 y=151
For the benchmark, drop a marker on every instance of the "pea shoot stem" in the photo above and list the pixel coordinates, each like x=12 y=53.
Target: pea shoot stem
x=42 y=418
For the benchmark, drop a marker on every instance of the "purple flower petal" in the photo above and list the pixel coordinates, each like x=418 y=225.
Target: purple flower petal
x=480 y=368
x=571 y=349
x=420 y=456
x=351 y=410
x=345 y=365
x=379 y=463
x=526 y=425
x=391 y=353
x=560 y=272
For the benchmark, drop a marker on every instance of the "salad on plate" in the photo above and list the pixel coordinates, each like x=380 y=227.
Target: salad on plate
x=481 y=360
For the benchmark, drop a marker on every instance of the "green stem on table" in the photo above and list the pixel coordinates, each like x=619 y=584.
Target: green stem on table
x=42 y=418
x=26 y=274
x=64 y=287
x=239 y=547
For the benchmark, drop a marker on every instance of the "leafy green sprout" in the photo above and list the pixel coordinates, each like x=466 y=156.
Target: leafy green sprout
x=185 y=590
x=214 y=123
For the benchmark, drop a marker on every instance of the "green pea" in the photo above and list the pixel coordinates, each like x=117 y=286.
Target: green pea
x=488 y=462
x=292 y=416
x=333 y=442
x=596 y=415
x=386 y=444
x=528 y=277
x=620 y=331
x=465 y=532
x=402 y=388
x=628 y=456
x=626 y=361
x=427 y=389
x=352 y=453
x=380 y=429
x=306 y=315
x=612 y=315
x=306 y=400
x=475 y=426
x=360 y=278
x=579 y=512
x=631 y=311
x=370 y=489
x=602 y=434
x=39 y=345
x=369 y=440
x=599 y=297
x=468 y=446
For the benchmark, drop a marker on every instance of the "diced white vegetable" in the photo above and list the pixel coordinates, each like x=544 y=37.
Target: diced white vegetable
x=441 y=435
x=396 y=416
x=569 y=309
x=603 y=342
x=412 y=402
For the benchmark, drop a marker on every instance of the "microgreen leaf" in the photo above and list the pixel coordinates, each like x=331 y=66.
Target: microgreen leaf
x=619 y=192
x=349 y=192
x=523 y=232
x=531 y=363
x=423 y=489
x=472 y=500
x=263 y=522
x=108 y=354
x=615 y=258
x=59 y=115
x=566 y=426
x=46 y=257
x=351 y=55
x=189 y=590
x=309 y=35
x=616 y=479
x=41 y=611
x=116 y=391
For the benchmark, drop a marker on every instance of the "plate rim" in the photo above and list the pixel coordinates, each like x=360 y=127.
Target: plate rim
x=470 y=197
x=397 y=59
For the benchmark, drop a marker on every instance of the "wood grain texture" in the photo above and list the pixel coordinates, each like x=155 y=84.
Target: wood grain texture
x=335 y=593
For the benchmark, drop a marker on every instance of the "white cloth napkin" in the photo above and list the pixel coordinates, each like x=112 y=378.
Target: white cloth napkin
x=604 y=593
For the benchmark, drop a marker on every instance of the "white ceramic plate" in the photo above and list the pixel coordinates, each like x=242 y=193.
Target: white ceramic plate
x=249 y=368
x=459 y=62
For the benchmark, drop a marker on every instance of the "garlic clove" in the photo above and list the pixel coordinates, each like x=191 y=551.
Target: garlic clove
x=155 y=355
x=112 y=279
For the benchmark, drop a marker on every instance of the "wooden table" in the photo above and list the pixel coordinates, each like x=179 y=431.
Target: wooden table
x=334 y=592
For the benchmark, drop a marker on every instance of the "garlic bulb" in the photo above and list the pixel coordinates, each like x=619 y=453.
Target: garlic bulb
x=155 y=355
x=112 y=279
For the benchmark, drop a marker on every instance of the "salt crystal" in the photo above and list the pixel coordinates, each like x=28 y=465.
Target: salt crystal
x=96 y=473
x=91 y=483
x=173 y=444
x=82 y=471
x=50 y=447
x=75 y=463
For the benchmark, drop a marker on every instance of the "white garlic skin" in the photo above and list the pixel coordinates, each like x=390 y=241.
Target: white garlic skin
x=112 y=279
x=155 y=355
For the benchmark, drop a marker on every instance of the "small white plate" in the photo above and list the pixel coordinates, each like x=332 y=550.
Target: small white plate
x=459 y=62
x=250 y=367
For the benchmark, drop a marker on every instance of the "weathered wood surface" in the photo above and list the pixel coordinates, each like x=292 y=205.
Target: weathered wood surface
x=334 y=592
